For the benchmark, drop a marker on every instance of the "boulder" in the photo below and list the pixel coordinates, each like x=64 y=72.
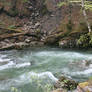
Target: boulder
x=84 y=87
x=36 y=43
x=80 y=64
x=66 y=83
x=19 y=45
x=68 y=43
x=60 y=90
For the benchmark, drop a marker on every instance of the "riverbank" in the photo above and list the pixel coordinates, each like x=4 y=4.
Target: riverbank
x=42 y=23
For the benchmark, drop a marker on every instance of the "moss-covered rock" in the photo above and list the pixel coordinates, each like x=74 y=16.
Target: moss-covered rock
x=66 y=83
x=84 y=87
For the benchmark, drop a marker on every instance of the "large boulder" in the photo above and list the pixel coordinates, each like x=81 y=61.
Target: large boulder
x=84 y=87
x=66 y=83
x=68 y=43
x=60 y=90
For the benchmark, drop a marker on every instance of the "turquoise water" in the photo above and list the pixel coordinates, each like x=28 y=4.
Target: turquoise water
x=27 y=69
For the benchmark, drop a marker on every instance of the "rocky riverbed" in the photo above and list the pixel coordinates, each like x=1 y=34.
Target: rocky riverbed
x=68 y=85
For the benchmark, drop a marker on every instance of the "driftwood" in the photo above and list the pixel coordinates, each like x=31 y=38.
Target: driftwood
x=19 y=45
x=55 y=37
x=10 y=29
x=4 y=36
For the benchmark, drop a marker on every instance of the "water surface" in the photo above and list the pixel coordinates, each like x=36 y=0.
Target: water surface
x=26 y=69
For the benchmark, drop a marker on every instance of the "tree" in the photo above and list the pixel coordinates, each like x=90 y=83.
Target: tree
x=85 y=15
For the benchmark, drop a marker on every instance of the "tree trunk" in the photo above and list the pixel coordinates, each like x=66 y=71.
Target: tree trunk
x=85 y=15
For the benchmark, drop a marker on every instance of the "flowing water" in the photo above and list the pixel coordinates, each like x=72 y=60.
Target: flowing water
x=27 y=69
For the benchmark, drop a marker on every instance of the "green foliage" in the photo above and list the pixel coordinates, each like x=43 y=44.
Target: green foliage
x=84 y=40
x=25 y=1
x=90 y=78
x=61 y=4
x=12 y=27
x=90 y=41
x=13 y=89
x=90 y=81
x=13 y=12
x=45 y=87
x=88 y=4
x=65 y=81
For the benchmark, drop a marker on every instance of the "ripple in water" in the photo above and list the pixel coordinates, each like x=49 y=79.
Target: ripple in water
x=23 y=66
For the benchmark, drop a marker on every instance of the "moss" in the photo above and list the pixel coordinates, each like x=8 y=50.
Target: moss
x=44 y=10
x=61 y=4
x=84 y=84
x=13 y=13
x=24 y=1
x=12 y=27
x=69 y=25
x=90 y=36
x=83 y=40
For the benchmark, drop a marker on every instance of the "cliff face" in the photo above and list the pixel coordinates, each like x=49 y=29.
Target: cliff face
x=55 y=25
x=14 y=7
x=13 y=12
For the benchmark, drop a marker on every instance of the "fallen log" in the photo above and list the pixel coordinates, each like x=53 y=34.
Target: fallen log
x=10 y=29
x=4 y=36
x=19 y=45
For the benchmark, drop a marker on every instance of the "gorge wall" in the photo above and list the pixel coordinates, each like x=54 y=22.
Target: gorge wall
x=44 y=21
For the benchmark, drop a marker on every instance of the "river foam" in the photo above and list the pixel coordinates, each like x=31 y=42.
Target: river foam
x=27 y=78
x=85 y=72
x=27 y=66
x=38 y=75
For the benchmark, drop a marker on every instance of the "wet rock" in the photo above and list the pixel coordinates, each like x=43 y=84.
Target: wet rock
x=36 y=43
x=37 y=25
x=19 y=45
x=66 y=83
x=3 y=63
x=80 y=64
x=21 y=38
x=2 y=43
x=60 y=90
x=68 y=43
x=27 y=40
x=84 y=87
x=6 y=40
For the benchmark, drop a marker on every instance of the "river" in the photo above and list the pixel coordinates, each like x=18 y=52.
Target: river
x=31 y=70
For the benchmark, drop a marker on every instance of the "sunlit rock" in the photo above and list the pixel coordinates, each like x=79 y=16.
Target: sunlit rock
x=84 y=87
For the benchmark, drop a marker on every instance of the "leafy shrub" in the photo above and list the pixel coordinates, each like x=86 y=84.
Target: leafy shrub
x=84 y=40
